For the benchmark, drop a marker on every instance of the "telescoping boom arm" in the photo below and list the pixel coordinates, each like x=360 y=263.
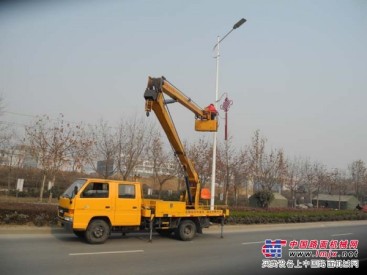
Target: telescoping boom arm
x=204 y=122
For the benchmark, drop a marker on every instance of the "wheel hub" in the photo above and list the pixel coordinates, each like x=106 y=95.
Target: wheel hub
x=98 y=232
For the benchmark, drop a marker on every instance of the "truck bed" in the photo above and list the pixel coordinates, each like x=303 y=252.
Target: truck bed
x=162 y=208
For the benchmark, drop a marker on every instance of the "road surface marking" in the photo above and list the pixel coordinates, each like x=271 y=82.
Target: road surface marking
x=252 y=242
x=106 y=252
x=344 y=234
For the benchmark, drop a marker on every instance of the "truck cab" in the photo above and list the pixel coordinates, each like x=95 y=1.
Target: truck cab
x=111 y=203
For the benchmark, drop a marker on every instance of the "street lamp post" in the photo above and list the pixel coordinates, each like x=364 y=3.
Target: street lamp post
x=216 y=46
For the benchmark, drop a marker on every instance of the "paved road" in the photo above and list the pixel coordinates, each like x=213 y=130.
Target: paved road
x=44 y=251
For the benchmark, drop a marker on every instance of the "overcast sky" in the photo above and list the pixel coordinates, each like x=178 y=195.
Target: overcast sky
x=296 y=70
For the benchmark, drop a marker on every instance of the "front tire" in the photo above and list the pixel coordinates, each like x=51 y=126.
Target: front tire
x=186 y=230
x=97 y=232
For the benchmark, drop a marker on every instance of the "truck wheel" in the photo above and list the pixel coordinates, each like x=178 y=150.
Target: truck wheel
x=97 y=232
x=186 y=230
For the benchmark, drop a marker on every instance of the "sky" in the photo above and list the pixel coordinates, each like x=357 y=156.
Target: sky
x=296 y=70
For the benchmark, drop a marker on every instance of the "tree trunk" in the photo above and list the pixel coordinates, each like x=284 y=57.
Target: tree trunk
x=317 y=197
x=235 y=195
x=160 y=189
x=226 y=197
x=53 y=184
x=9 y=180
x=42 y=187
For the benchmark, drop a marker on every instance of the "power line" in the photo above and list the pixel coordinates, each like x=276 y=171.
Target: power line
x=18 y=114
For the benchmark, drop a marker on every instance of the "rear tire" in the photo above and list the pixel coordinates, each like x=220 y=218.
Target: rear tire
x=186 y=230
x=97 y=232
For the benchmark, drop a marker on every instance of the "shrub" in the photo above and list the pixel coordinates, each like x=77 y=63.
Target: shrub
x=263 y=198
x=39 y=214
x=40 y=220
x=16 y=218
x=286 y=215
x=43 y=214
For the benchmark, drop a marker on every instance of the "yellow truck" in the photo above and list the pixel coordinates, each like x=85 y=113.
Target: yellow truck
x=93 y=208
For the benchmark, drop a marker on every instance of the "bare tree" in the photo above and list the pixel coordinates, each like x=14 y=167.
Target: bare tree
x=161 y=163
x=315 y=179
x=8 y=146
x=200 y=153
x=241 y=168
x=6 y=137
x=178 y=172
x=358 y=173
x=321 y=182
x=134 y=137
x=9 y=151
x=4 y=129
x=338 y=184
x=49 y=141
x=226 y=165
x=330 y=182
x=256 y=154
x=309 y=176
x=104 y=149
x=267 y=169
x=294 y=177
x=79 y=151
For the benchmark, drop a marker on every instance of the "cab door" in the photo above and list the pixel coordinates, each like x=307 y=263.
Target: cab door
x=128 y=205
x=94 y=200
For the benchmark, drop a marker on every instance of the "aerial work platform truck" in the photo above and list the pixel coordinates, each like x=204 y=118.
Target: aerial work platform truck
x=93 y=208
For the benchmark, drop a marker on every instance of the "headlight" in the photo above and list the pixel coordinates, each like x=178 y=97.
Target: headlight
x=68 y=219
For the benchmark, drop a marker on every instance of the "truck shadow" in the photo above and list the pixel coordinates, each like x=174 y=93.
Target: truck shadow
x=59 y=233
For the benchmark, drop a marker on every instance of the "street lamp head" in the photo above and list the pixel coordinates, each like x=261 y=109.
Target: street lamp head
x=239 y=23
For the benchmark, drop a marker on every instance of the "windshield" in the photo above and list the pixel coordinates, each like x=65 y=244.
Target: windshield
x=73 y=189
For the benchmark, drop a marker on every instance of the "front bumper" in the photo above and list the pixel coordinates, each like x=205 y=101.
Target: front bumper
x=67 y=225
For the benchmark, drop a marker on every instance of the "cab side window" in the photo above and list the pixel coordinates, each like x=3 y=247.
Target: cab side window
x=96 y=190
x=126 y=191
